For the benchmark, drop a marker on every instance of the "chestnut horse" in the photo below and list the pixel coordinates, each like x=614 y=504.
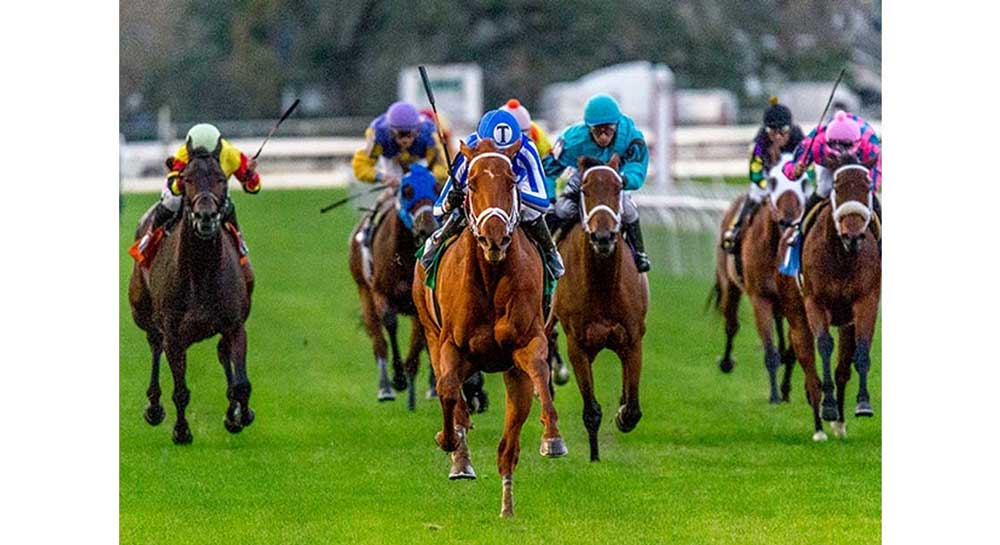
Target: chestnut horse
x=774 y=297
x=194 y=289
x=602 y=299
x=485 y=314
x=841 y=286
x=384 y=275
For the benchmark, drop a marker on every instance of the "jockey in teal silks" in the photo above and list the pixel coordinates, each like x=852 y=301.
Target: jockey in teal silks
x=605 y=131
x=503 y=128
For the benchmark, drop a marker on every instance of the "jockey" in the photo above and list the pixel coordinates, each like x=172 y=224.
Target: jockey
x=204 y=138
x=394 y=141
x=535 y=133
x=778 y=135
x=846 y=133
x=501 y=127
x=605 y=131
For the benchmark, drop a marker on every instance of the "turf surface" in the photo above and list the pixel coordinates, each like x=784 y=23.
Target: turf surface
x=710 y=462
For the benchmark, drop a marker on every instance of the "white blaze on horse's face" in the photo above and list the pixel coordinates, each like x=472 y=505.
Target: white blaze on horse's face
x=510 y=217
x=779 y=184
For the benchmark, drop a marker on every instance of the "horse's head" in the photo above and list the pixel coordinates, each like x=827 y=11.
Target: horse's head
x=417 y=192
x=851 y=201
x=601 y=202
x=493 y=202
x=204 y=194
x=787 y=197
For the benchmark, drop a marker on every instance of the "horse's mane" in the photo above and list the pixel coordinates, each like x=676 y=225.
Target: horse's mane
x=201 y=165
x=588 y=162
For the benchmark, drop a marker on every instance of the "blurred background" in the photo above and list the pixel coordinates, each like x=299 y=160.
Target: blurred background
x=695 y=75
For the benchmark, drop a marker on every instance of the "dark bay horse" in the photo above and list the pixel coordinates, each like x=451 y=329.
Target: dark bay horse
x=485 y=314
x=195 y=288
x=385 y=276
x=774 y=297
x=842 y=285
x=602 y=299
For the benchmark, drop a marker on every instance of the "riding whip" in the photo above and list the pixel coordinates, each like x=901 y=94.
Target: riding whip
x=828 y=102
x=349 y=198
x=287 y=113
x=437 y=118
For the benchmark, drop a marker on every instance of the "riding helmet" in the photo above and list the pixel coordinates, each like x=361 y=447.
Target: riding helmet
x=601 y=110
x=777 y=115
x=205 y=137
x=500 y=126
x=403 y=116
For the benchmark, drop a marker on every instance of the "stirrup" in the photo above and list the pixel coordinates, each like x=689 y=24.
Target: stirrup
x=642 y=263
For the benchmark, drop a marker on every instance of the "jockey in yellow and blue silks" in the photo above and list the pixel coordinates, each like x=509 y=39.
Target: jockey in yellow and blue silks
x=501 y=127
x=605 y=131
x=395 y=140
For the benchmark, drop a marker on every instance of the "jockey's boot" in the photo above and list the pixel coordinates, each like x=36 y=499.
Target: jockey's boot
x=634 y=234
x=731 y=238
x=811 y=203
x=558 y=227
x=452 y=226
x=161 y=216
x=538 y=231
x=877 y=208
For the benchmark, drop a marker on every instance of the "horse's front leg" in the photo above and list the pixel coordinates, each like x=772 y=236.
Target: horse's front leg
x=177 y=358
x=819 y=323
x=154 y=412
x=519 y=386
x=865 y=314
x=787 y=358
x=239 y=386
x=532 y=360
x=412 y=363
x=763 y=312
x=629 y=412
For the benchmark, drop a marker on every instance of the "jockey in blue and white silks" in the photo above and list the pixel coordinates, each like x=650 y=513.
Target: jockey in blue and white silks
x=501 y=127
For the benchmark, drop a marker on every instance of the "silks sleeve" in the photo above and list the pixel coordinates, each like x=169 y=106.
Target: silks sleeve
x=757 y=167
x=540 y=139
x=635 y=164
x=436 y=159
x=235 y=163
x=366 y=158
x=176 y=164
x=803 y=155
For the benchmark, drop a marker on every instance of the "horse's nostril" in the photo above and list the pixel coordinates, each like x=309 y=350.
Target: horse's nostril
x=505 y=241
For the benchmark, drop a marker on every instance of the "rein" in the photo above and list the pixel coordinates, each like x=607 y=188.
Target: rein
x=510 y=218
x=586 y=214
x=850 y=207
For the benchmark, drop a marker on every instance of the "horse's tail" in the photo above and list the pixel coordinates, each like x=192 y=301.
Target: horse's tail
x=714 y=299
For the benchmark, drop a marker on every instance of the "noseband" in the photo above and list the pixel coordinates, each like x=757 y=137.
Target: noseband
x=216 y=217
x=585 y=214
x=850 y=207
x=510 y=218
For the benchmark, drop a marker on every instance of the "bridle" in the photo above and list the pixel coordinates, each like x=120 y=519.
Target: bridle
x=214 y=220
x=586 y=214
x=850 y=207
x=510 y=218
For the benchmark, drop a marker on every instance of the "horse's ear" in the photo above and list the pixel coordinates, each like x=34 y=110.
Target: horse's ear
x=512 y=151
x=615 y=162
x=465 y=149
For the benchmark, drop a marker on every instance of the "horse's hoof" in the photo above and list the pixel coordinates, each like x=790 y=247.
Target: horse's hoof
x=819 y=436
x=830 y=413
x=232 y=426
x=154 y=414
x=726 y=364
x=553 y=448
x=386 y=394
x=624 y=425
x=182 y=436
x=562 y=376
x=775 y=400
x=399 y=382
x=431 y=393
x=246 y=418
x=864 y=409
x=462 y=471
x=839 y=429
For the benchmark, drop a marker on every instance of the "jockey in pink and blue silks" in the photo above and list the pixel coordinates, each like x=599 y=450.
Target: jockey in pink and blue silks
x=845 y=133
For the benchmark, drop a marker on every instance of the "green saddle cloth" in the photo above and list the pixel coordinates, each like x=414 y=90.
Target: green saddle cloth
x=548 y=279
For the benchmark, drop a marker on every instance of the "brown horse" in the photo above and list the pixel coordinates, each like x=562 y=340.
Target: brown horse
x=841 y=286
x=774 y=297
x=602 y=299
x=486 y=315
x=194 y=289
x=384 y=275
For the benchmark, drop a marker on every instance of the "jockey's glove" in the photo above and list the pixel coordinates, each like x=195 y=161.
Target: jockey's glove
x=455 y=198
